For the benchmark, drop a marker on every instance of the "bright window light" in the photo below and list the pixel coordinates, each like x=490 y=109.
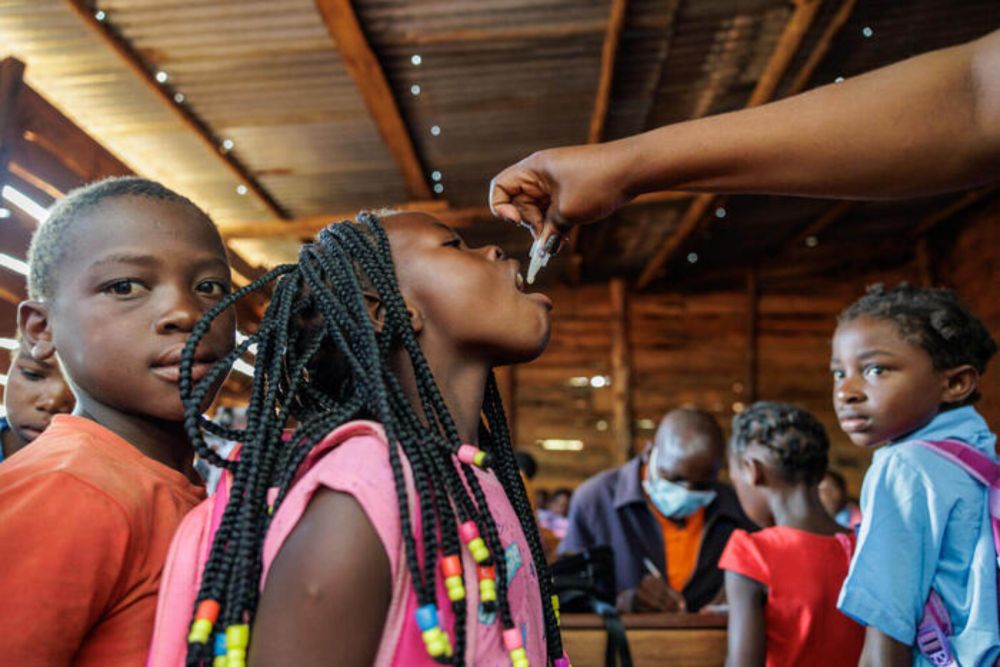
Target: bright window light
x=9 y=343
x=3 y=381
x=24 y=202
x=14 y=264
x=559 y=445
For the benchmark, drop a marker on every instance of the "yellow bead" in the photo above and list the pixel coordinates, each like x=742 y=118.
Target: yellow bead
x=201 y=630
x=238 y=636
x=478 y=550
x=220 y=661
x=478 y=458
x=236 y=657
x=456 y=588
x=431 y=635
x=487 y=591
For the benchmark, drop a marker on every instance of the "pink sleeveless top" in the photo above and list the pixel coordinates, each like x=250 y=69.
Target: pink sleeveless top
x=354 y=460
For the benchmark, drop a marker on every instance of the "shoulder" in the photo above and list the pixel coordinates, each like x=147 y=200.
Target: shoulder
x=597 y=490
x=908 y=469
x=745 y=554
x=726 y=506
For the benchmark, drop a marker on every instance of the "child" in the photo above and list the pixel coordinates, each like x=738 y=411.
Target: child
x=782 y=582
x=120 y=272
x=906 y=366
x=399 y=553
x=833 y=494
x=35 y=392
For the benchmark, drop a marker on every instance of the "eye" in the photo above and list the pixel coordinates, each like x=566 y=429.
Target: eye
x=215 y=288
x=32 y=375
x=837 y=374
x=874 y=370
x=125 y=287
x=454 y=243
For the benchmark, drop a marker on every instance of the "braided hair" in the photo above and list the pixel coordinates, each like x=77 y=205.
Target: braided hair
x=793 y=435
x=935 y=319
x=318 y=315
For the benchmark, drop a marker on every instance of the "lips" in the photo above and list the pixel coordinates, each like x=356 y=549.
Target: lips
x=168 y=365
x=520 y=284
x=854 y=423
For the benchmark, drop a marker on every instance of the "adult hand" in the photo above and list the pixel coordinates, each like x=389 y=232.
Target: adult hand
x=655 y=594
x=554 y=189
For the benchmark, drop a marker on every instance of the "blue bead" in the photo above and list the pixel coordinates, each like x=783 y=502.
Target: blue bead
x=427 y=617
x=220 y=643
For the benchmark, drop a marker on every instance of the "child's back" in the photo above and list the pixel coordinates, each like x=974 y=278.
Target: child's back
x=782 y=582
x=803 y=573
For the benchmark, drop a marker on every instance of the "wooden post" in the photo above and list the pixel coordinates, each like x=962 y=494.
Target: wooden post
x=11 y=79
x=507 y=384
x=621 y=373
x=750 y=380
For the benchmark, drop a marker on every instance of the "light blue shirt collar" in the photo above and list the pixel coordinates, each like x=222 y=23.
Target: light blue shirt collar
x=965 y=424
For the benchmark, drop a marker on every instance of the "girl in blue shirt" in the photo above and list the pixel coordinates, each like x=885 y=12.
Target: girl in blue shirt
x=906 y=366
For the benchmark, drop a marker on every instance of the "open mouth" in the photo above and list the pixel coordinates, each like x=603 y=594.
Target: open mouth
x=854 y=423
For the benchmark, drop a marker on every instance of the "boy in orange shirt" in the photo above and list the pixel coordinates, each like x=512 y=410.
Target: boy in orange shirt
x=120 y=273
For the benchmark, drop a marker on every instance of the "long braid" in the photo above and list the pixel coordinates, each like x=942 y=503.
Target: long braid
x=318 y=308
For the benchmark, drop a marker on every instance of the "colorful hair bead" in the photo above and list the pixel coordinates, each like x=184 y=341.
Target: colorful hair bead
x=555 y=607
x=204 y=620
x=451 y=567
x=470 y=535
x=237 y=640
x=561 y=662
x=514 y=644
x=435 y=639
x=473 y=456
x=487 y=590
x=220 y=651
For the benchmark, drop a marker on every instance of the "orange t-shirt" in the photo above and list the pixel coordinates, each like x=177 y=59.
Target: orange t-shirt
x=681 y=543
x=85 y=524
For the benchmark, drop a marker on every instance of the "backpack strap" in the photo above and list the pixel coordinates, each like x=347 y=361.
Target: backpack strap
x=935 y=626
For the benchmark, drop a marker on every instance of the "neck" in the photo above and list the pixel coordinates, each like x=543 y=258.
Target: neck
x=162 y=440
x=798 y=506
x=462 y=383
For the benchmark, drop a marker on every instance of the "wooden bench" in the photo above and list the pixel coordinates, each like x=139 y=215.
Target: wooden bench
x=679 y=640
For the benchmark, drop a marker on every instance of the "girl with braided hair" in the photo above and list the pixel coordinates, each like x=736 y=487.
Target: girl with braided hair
x=782 y=582
x=375 y=513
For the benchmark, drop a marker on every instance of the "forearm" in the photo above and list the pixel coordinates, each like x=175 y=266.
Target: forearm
x=931 y=123
x=880 y=650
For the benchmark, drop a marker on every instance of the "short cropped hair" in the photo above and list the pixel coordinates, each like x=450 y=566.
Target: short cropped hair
x=933 y=318
x=49 y=243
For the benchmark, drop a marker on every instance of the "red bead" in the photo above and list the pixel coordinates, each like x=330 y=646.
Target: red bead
x=451 y=566
x=512 y=639
x=208 y=609
x=486 y=571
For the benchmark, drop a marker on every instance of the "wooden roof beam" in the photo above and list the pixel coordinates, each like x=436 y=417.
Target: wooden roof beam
x=11 y=84
x=599 y=116
x=777 y=66
x=361 y=63
x=131 y=58
x=831 y=216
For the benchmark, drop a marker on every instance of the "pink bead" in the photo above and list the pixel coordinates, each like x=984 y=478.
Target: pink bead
x=560 y=662
x=467 y=454
x=512 y=639
x=468 y=531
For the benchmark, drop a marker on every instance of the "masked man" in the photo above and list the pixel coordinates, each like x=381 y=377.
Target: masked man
x=665 y=515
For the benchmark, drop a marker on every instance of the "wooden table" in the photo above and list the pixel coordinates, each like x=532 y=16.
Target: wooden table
x=678 y=640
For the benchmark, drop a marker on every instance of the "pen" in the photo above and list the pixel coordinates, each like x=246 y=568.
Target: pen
x=648 y=564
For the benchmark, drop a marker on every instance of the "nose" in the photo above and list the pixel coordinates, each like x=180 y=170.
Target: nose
x=494 y=253
x=58 y=398
x=181 y=311
x=849 y=391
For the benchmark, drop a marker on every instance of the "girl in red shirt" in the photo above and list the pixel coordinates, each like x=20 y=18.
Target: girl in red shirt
x=782 y=582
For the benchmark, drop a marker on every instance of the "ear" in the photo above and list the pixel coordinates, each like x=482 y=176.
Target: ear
x=753 y=470
x=376 y=310
x=33 y=322
x=959 y=383
x=416 y=315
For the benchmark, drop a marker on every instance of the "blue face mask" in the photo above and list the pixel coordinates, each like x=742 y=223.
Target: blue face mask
x=671 y=499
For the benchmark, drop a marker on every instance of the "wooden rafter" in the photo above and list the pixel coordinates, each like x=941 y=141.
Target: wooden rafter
x=832 y=215
x=821 y=47
x=360 y=61
x=777 y=66
x=602 y=100
x=11 y=84
x=968 y=199
x=134 y=61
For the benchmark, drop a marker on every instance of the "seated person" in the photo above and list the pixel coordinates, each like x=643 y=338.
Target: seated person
x=833 y=495
x=35 y=392
x=662 y=512
x=553 y=515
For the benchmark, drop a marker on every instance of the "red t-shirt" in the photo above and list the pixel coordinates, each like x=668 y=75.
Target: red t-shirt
x=85 y=524
x=803 y=573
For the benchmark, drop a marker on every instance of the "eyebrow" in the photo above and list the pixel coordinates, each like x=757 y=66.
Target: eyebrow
x=153 y=260
x=441 y=225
